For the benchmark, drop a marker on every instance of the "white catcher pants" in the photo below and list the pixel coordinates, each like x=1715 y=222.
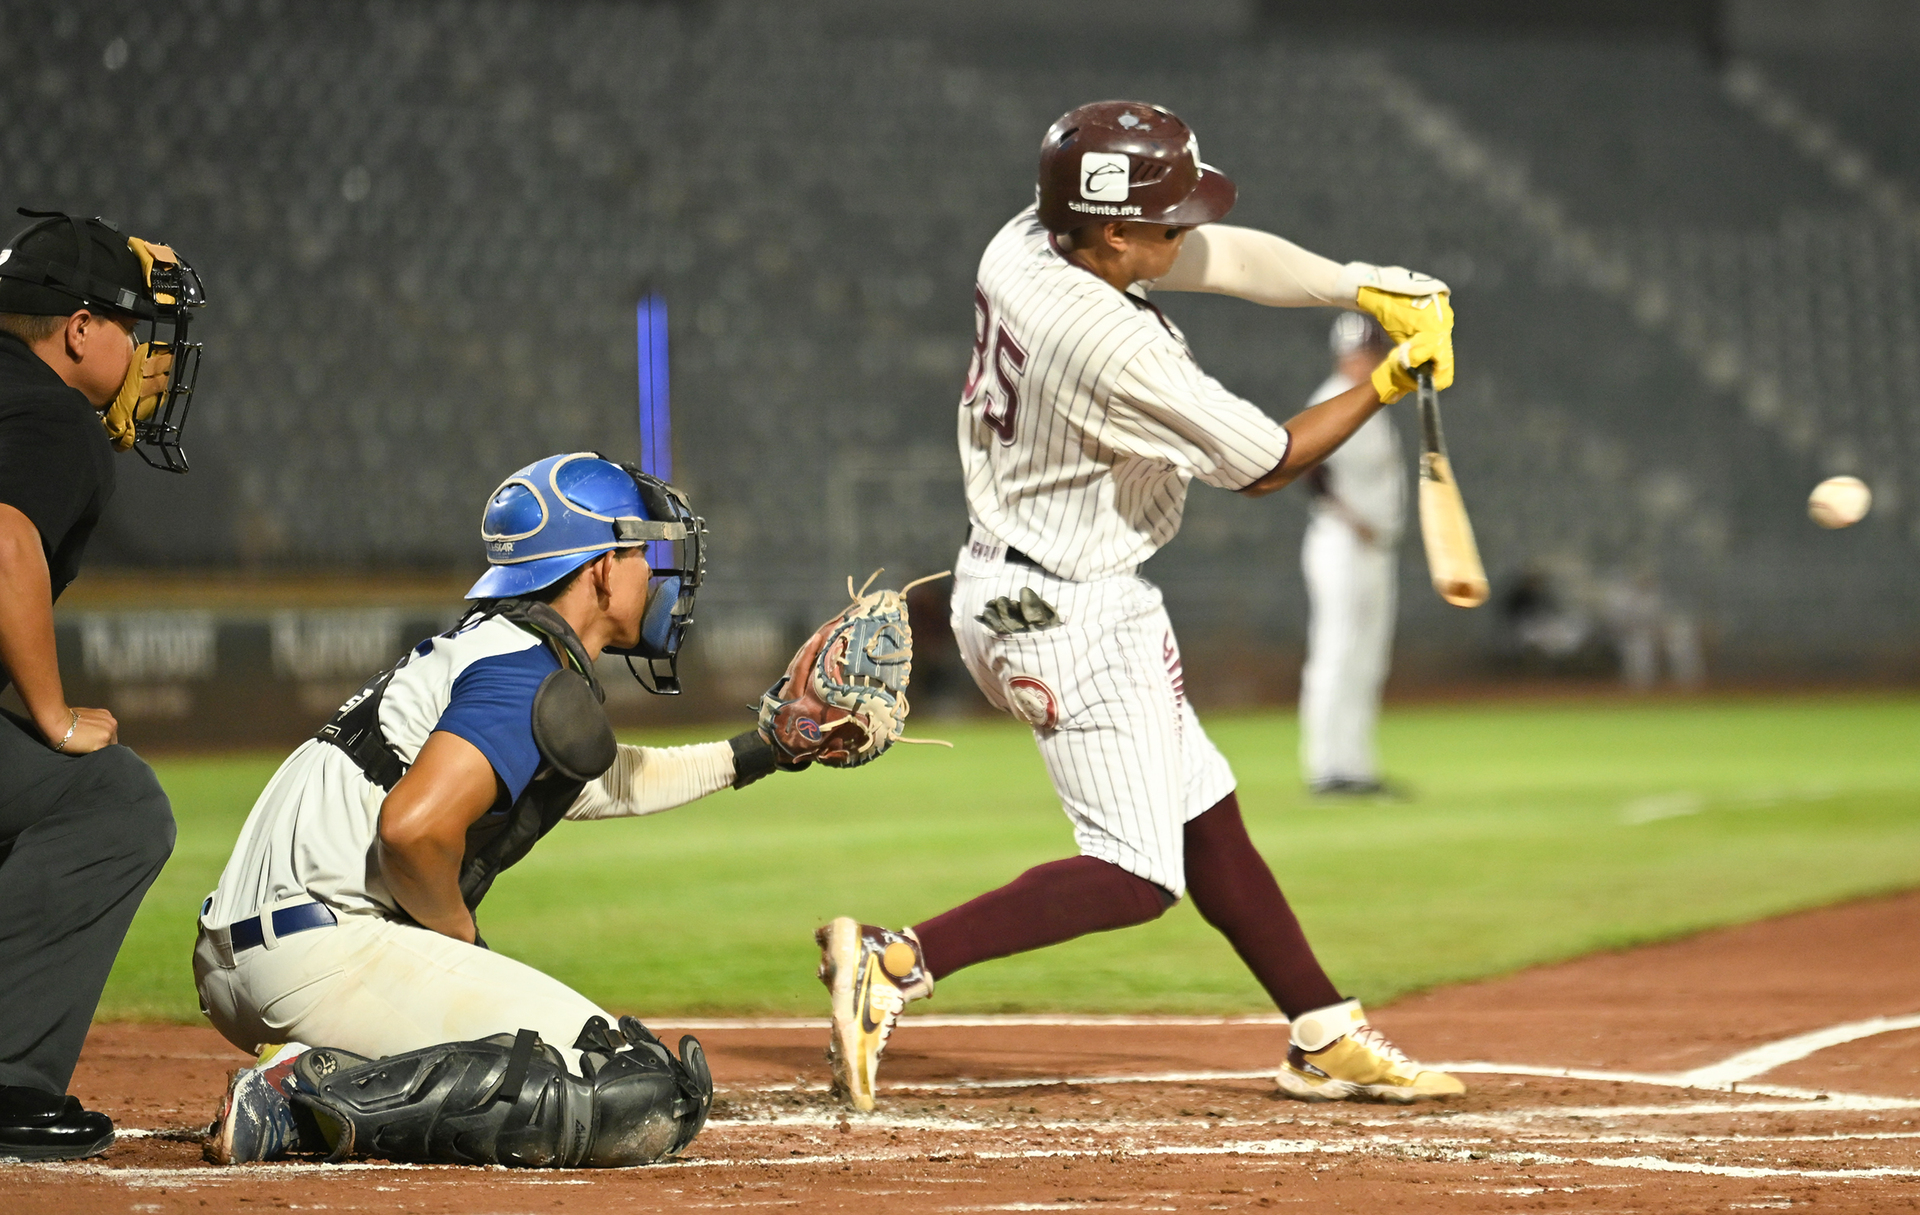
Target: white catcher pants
x=376 y=987
x=1350 y=610
x=1104 y=693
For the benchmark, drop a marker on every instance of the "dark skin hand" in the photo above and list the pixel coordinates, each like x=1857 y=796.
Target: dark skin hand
x=424 y=820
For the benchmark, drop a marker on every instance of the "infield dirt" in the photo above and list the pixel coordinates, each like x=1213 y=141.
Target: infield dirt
x=1690 y=1076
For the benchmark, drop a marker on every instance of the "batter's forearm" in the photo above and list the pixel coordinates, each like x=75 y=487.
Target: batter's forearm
x=647 y=780
x=26 y=623
x=1257 y=266
x=1316 y=433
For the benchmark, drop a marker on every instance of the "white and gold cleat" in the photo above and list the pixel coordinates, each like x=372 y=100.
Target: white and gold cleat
x=1334 y=1055
x=871 y=972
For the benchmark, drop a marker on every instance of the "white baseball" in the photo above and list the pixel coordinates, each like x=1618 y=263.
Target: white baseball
x=1839 y=501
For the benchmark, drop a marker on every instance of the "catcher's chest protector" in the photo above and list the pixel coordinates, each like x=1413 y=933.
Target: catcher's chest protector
x=570 y=728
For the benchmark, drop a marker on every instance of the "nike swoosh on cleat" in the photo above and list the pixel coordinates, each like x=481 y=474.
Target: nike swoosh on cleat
x=863 y=996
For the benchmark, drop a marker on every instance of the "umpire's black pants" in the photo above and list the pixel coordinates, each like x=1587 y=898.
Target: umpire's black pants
x=81 y=839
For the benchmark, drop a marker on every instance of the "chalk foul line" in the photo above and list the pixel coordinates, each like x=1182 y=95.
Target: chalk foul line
x=1763 y=1059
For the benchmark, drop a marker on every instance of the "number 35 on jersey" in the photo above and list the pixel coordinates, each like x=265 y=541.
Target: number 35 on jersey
x=993 y=374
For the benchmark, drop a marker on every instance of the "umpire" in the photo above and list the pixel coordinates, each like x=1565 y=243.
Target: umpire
x=84 y=825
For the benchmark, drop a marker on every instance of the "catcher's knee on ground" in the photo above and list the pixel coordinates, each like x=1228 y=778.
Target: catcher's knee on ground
x=509 y=1099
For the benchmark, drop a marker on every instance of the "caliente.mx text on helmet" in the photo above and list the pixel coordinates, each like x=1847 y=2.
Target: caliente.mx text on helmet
x=1127 y=160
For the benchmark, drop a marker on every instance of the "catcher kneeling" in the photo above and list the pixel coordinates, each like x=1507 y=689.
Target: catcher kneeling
x=345 y=918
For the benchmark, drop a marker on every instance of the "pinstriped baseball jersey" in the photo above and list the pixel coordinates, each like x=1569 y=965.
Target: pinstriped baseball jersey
x=1085 y=416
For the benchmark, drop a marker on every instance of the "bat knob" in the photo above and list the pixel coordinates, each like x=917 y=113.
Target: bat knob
x=1464 y=593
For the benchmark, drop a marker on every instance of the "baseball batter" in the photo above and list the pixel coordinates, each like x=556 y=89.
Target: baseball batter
x=1083 y=420
x=1359 y=505
x=346 y=916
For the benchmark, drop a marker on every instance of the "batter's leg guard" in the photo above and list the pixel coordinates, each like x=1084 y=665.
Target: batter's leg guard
x=509 y=1099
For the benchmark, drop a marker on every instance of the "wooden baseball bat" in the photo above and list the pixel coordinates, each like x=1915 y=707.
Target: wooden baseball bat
x=1452 y=557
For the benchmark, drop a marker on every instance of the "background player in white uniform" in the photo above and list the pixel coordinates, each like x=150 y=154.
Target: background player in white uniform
x=1083 y=420
x=1359 y=505
x=346 y=916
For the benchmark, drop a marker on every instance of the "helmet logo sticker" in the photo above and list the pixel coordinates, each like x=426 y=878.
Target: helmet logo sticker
x=1103 y=176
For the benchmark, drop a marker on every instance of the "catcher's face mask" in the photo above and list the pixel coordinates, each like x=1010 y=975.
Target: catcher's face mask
x=673 y=535
x=64 y=263
x=557 y=514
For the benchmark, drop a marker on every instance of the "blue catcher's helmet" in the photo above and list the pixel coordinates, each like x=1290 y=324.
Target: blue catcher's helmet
x=557 y=514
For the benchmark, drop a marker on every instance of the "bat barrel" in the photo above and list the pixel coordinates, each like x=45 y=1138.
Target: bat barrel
x=1453 y=559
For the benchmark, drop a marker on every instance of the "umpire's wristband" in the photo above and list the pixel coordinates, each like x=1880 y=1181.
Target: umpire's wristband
x=753 y=758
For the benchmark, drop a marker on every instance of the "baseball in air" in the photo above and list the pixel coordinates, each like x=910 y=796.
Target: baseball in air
x=1839 y=501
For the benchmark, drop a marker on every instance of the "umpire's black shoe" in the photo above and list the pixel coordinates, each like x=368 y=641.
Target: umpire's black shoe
x=38 y=1125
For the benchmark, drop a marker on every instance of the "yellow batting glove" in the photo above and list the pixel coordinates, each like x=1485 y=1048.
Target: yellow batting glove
x=1394 y=377
x=1402 y=316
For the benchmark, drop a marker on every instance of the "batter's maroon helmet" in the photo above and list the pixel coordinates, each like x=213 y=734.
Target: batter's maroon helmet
x=1127 y=160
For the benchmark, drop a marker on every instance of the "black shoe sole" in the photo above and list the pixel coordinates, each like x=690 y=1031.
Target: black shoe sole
x=43 y=1154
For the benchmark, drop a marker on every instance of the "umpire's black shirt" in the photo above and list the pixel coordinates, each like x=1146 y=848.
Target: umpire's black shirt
x=56 y=466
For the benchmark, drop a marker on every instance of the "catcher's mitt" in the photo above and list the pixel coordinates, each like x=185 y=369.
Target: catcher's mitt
x=843 y=700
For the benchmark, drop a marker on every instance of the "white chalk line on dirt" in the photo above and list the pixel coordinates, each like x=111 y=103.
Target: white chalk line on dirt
x=985 y=1021
x=1304 y=1147
x=1825 y=1098
x=1734 y=1074
x=1657 y=1164
x=1450 y=1149
x=1762 y=1059
x=1514 y=1125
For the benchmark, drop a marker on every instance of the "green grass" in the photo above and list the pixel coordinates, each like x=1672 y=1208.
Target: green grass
x=1540 y=832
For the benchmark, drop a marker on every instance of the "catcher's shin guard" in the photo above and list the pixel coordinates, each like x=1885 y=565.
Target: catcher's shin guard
x=1334 y=1055
x=871 y=973
x=625 y=1067
x=509 y=1099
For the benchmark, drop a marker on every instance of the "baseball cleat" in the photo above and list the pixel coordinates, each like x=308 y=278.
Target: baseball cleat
x=256 y=1121
x=1334 y=1055
x=872 y=973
